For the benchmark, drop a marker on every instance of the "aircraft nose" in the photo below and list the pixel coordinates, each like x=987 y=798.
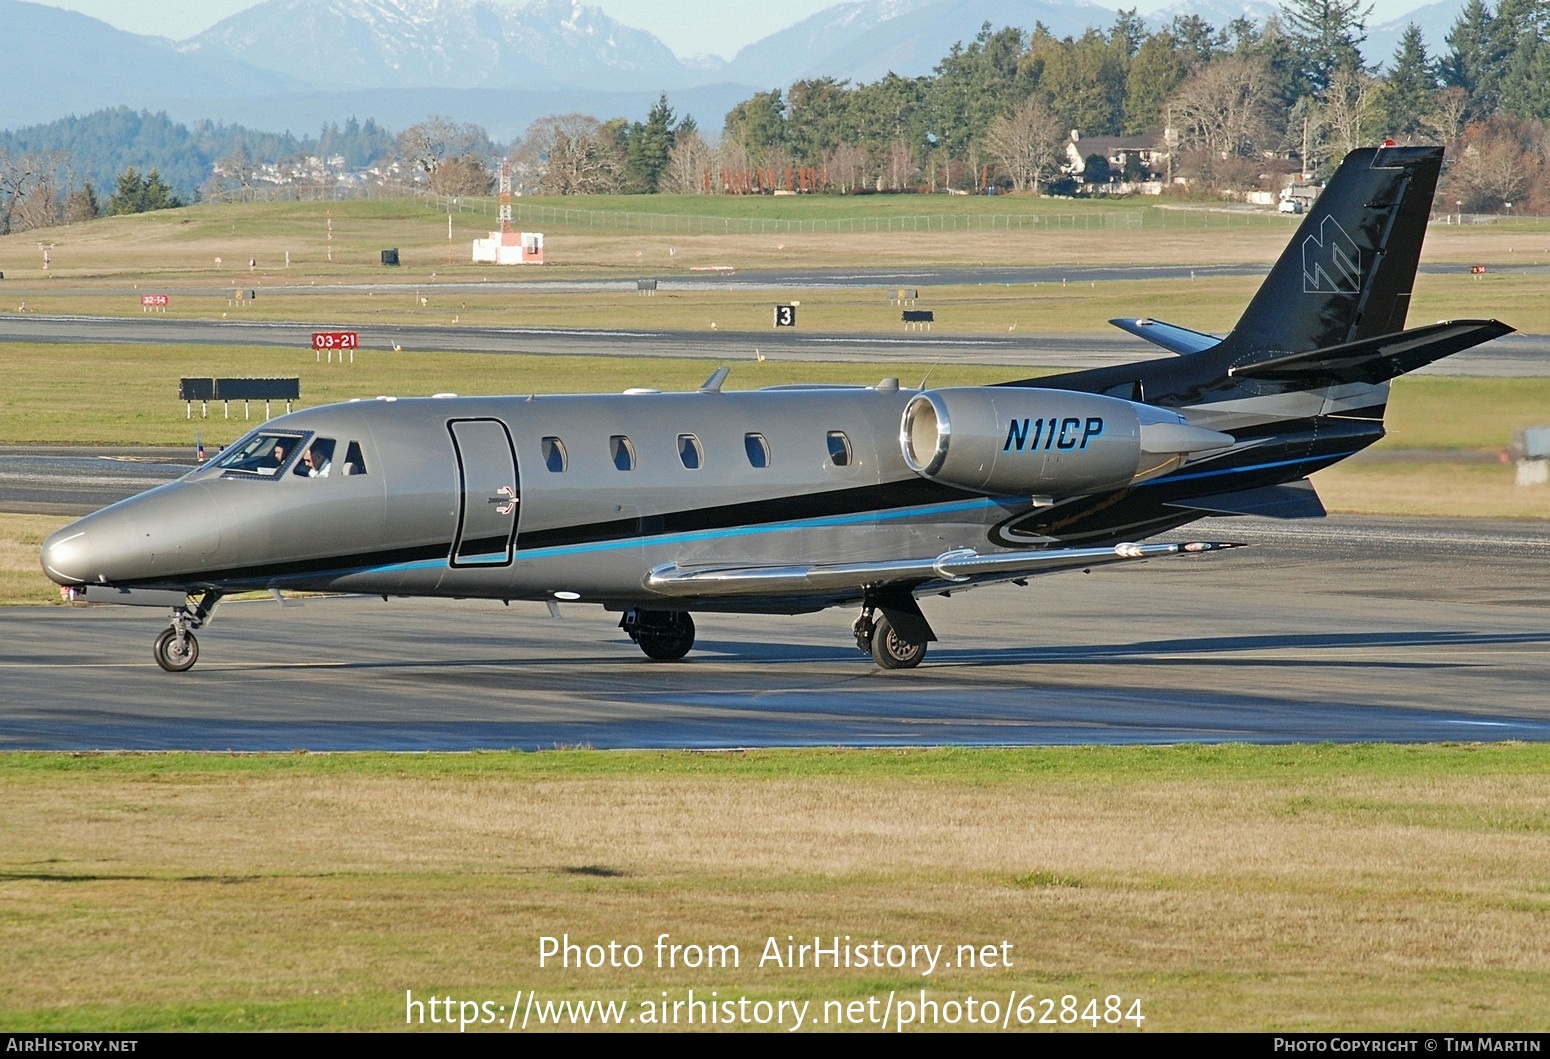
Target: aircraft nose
x=64 y=555
x=169 y=532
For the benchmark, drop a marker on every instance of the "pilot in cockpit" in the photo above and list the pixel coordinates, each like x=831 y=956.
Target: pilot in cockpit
x=316 y=461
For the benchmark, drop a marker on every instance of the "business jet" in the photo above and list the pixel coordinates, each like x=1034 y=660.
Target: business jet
x=793 y=499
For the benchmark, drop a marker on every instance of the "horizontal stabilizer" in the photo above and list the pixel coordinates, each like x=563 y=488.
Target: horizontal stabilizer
x=1172 y=337
x=1294 y=500
x=953 y=567
x=1374 y=360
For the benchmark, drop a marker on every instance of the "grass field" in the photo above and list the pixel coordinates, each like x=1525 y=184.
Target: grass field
x=1226 y=888
x=342 y=240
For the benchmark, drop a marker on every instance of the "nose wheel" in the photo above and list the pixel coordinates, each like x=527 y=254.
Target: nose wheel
x=176 y=650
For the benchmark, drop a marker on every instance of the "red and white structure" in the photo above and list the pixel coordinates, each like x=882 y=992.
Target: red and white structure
x=508 y=247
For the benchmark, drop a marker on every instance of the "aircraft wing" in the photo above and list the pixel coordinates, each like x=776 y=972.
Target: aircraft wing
x=958 y=566
x=1172 y=337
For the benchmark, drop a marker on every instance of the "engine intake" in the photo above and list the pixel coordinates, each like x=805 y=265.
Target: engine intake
x=1007 y=440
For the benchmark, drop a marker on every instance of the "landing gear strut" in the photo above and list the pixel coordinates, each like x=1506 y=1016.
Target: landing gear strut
x=665 y=635
x=881 y=638
x=176 y=650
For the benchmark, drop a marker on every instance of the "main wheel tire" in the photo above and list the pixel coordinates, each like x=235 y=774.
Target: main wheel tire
x=891 y=651
x=170 y=656
x=669 y=641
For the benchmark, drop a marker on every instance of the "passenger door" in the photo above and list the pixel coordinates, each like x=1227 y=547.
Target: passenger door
x=490 y=493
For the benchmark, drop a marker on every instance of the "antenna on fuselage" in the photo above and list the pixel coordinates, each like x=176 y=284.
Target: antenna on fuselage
x=717 y=377
x=930 y=370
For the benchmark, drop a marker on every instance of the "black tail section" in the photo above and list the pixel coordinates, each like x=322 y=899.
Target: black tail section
x=1343 y=281
x=1348 y=272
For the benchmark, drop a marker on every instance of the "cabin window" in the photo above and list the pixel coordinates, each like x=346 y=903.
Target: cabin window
x=839 y=448
x=758 y=449
x=690 y=452
x=623 y=452
x=317 y=459
x=354 y=461
x=554 y=454
x=261 y=453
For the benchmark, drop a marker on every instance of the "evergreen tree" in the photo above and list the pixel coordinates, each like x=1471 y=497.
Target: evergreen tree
x=1474 y=58
x=818 y=118
x=647 y=148
x=974 y=86
x=1200 y=41
x=1328 y=35
x=136 y=194
x=82 y=205
x=1411 y=83
x=1519 y=36
x=1159 y=67
x=758 y=124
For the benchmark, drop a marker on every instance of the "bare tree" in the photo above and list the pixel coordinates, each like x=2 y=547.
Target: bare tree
x=1494 y=168
x=1352 y=108
x=18 y=175
x=426 y=147
x=901 y=164
x=81 y=205
x=1225 y=108
x=690 y=160
x=567 y=154
x=847 y=164
x=464 y=175
x=39 y=207
x=1026 y=144
x=1445 y=122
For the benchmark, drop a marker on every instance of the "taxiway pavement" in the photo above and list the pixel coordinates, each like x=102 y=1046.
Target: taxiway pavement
x=1347 y=630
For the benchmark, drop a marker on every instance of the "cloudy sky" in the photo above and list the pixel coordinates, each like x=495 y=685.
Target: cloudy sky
x=689 y=27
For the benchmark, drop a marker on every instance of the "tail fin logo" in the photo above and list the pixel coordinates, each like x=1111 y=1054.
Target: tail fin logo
x=1331 y=261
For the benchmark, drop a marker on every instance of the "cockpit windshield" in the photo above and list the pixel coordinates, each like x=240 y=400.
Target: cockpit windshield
x=262 y=452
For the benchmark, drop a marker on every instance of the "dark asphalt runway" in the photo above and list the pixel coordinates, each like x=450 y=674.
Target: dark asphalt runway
x=1347 y=630
x=1515 y=355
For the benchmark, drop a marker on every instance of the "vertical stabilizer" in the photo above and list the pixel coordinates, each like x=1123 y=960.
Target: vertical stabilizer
x=1348 y=272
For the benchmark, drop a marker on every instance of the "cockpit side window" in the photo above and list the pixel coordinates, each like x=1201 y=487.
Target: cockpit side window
x=317 y=460
x=354 y=460
x=263 y=453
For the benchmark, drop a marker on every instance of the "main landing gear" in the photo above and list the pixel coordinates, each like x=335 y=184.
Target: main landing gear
x=176 y=650
x=896 y=638
x=665 y=635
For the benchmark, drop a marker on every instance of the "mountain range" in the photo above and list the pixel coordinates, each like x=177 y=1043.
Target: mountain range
x=295 y=64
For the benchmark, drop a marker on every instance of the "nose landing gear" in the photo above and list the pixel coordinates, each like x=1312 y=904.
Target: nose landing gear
x=176 y=650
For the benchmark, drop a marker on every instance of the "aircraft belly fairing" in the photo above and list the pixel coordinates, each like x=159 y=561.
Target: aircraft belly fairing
x=794 y=499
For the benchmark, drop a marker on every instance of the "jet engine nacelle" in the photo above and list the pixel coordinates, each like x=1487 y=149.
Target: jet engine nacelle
x=1012 y=440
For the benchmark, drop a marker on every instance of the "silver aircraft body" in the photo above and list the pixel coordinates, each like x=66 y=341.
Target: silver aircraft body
x=793 y=499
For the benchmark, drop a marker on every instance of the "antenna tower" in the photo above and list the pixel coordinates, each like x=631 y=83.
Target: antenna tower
x=506 y=197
